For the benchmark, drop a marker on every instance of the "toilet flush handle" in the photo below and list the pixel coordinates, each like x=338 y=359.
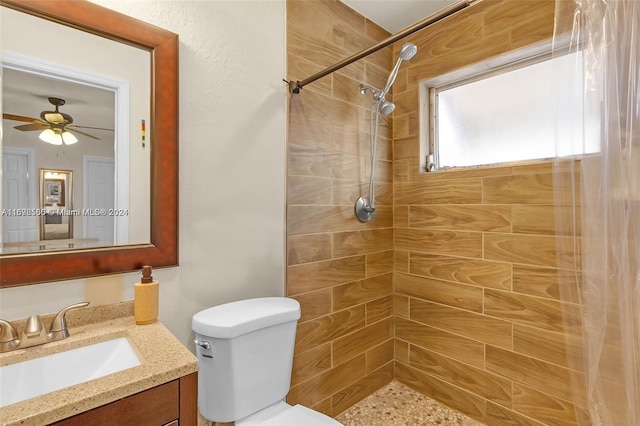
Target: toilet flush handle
x=203 y=344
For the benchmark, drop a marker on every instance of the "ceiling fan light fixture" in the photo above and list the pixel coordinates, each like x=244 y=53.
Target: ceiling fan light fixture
x=68 y=138
x=49 y=136
x=58 y=137
x=55 y=117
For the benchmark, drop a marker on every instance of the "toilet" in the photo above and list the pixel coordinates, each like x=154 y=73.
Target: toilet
x=245 y=354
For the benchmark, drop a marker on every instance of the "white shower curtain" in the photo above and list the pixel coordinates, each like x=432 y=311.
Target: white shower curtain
x=597 y=200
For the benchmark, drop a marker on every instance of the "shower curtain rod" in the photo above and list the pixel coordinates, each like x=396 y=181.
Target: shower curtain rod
x=295 y=86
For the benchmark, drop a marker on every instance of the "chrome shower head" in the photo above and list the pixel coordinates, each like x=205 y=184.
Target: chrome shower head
x=387 y=108
x=408 y=51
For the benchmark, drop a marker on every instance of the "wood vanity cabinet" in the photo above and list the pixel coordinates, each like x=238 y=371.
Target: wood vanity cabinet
x=172 y=403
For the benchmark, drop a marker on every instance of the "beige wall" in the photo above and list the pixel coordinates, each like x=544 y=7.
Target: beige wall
x=232 y=166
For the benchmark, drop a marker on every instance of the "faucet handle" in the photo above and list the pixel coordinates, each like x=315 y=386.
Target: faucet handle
x=34 y=326
x=33 y=333
x=58 y=328
x=8 y=336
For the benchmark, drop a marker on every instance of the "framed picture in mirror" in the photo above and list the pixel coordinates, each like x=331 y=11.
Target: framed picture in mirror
x=54 y=192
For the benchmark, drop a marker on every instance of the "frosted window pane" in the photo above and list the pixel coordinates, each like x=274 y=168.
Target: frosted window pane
x=508 y=117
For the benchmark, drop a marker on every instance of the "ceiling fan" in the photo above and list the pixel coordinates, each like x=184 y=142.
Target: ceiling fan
x=56 y=126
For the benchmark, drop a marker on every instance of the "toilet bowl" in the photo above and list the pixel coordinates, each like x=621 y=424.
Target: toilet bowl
x=245 y=355
x=283 y=414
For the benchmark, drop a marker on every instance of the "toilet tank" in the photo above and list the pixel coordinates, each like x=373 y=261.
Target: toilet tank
x=248 y=366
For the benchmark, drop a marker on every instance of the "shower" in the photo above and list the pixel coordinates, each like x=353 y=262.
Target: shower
x=365 y=207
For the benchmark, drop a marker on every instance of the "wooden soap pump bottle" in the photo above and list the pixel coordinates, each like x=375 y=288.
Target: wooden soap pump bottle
x=145 y=298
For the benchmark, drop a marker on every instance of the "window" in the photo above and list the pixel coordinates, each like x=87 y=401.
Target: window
x=504 y=115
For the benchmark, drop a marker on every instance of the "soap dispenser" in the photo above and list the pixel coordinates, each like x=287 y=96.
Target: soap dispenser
x=145 y=298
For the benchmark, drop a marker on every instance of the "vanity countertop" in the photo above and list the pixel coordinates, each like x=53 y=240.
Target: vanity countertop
x=163 y=359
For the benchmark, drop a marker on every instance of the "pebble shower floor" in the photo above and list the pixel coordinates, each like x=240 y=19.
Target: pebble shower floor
x=398 y=405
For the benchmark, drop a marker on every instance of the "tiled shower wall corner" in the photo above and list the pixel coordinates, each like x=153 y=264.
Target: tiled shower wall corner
x=468 y=257
x=339 y=269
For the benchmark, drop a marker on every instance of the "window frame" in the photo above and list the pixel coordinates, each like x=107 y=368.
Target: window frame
x=429 y=88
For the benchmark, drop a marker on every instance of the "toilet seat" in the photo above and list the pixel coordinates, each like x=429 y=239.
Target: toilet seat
x=299 y=415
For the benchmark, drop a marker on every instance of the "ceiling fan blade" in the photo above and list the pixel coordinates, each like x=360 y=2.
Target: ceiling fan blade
x=85 y=134
x=19 y=118
x=31 y=127
x=87 y=127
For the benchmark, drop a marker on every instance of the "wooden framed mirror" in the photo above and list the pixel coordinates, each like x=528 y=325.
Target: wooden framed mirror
x=161 y=130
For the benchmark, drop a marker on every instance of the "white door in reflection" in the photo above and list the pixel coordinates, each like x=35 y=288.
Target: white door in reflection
x=17 y=196
x=98 y=199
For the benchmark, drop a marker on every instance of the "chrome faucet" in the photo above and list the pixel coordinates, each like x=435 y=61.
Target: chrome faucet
x=34 y=332
x=58 y=329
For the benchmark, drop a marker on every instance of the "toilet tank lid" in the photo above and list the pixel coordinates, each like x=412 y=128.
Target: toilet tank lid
x=234 y=319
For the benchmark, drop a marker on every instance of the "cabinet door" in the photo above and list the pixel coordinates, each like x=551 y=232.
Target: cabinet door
x=155 y=406
x=189 y=400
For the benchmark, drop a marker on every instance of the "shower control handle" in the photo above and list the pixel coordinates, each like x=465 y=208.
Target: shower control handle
x=363 y=209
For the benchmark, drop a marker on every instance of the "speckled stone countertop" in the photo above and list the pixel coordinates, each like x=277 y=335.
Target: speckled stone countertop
x=163 y=359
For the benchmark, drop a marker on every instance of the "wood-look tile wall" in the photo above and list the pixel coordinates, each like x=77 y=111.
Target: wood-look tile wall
x=478 y=313
x=339 y=269
x=455 y=287
x=478 y=317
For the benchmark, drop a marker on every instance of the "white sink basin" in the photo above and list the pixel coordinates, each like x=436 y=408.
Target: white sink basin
x=49 y=373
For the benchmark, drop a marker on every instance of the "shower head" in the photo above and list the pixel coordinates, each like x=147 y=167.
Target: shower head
x=387 y=108
x=407 y=51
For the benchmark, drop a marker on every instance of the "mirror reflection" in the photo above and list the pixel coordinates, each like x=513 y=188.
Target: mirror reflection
x=56 y=204
x=83 y=111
